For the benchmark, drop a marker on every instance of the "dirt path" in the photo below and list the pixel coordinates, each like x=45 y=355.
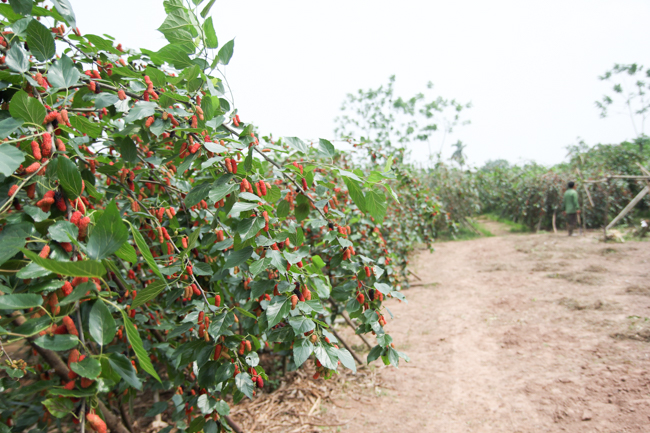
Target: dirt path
x=520 y=333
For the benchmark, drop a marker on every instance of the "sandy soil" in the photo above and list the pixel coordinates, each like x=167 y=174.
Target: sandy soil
x=517 y=333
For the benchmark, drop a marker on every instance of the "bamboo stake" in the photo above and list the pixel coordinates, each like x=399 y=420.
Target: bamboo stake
x=554 y=227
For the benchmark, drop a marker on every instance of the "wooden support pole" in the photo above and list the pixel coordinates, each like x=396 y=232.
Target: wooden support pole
x=554 y=227
x=606 y=213
x=628 y=208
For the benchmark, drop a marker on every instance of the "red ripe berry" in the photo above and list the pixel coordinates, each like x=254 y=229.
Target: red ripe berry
x=45 y=252
x=217 y=351
x=121 y=95
x=96 y=423
x=262 y=187
x=12 y=190
x=201 y=316
x=184 y=242
x=36 y=150
x=294 y=301
x=360 y=298
x=299 y=264
x=60 y=203
x=248 y=346
x=260 y=382
x=194 y=122
x=149 y=121
x=304 y=184
x=217 y=300
x=67 y=288
x=368 y=271
x=33 y=168
x=196 y=290
x=70 y=385
x=188 y=268
x=30 y=191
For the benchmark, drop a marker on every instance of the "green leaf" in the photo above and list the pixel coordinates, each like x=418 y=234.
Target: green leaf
x=175 y=55
x=57 y=342
x=198 y=193
x=26 y=108
x=69 y=178
x=59 y=407
x=63 y=231
x=127 y=252
x=141 y=110
x=302 y=350
x=277 y=310
x=105 y=99
x=63 y=74
x=136 y=343
x=296 y=143
x=128 y=149
x=101 y=324
x=206 y=9
x=206 y=404
x=65 y=9
x=244 y=384
x=84 y=268
x=17 y=59
x=211 y=40
x=89 y=368
x=220 y=191
x=356 y=194
x=236 y=258
x=20 y=301
x=124 y=368
x=178 y=27
x=40 y=41
x=144 y=250
x=9 y=125
x=225 y=53
x=21 y=7
x=148 y=293
x=375 y=353
x=158 y=77
x=376 y=205
x=327 y=356
x=85 y=126
x=326 y=148
x=346 y=359
x=109 y=234
x=10 y=159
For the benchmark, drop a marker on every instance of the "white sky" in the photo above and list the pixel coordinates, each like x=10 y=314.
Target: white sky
x=530 y=68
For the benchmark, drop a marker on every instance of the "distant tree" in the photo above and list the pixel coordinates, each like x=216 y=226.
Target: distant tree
x=390 y=122
x=631 y=87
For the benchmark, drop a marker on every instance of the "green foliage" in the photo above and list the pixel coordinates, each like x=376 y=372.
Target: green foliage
x=140 y=202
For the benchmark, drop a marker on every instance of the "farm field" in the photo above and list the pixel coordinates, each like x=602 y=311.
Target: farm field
x=517 y=333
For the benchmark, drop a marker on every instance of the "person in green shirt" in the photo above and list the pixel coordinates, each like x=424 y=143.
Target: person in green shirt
x=571 y=207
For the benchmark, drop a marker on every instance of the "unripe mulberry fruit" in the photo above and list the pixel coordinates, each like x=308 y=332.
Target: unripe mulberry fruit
x=149 y=122
x=294 y=301
x=121 y=95
x=70 y=326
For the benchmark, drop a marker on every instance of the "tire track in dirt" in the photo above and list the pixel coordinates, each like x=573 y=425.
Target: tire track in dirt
x=519 y=333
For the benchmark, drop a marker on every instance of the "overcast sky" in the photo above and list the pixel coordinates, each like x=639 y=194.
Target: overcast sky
x=530 y=68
